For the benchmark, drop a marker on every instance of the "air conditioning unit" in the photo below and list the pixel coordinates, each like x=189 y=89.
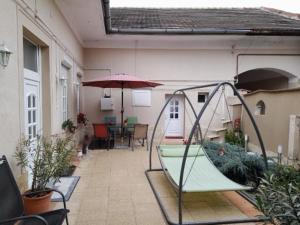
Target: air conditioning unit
x=106 y=104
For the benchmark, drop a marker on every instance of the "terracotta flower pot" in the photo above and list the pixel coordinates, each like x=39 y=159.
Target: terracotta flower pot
x=36 y=204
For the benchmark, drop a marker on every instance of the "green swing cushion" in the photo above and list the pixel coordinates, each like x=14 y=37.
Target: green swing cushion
x=178 y=150
x=200 y=175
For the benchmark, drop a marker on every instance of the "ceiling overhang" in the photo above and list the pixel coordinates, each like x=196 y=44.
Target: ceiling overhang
x=85 y=18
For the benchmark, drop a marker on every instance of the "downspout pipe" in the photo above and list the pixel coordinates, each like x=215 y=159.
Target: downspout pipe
x=182 y=31
x=107 y=17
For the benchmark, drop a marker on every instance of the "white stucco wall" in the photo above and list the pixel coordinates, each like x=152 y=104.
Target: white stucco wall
x=175 y=68
x=49 y=29
x=283 y=62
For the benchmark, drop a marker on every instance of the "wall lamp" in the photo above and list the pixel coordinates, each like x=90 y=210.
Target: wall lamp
x=4 y=55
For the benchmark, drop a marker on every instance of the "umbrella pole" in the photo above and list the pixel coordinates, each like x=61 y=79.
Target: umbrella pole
x=122 y=111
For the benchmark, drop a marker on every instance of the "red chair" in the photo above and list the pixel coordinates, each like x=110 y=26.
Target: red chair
x=101 y=132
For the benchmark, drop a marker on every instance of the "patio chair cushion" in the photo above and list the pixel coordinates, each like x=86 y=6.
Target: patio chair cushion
x=140 y=131
x=110 y=119
x=132 y=120
x=101 y=130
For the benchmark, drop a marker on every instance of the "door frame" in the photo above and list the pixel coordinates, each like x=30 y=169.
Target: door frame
x=32 y=76
x=182 y=99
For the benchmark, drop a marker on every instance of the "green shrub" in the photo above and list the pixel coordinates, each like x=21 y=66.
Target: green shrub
x=279 y=195
x=68 y=125
x=235 y=163
x=45 y=158
x=235 y=137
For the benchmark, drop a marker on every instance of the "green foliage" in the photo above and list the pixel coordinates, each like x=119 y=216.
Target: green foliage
x=45 y=158
x=235 y=163
x=235 y=137
x=68 y=125
x=279 y=195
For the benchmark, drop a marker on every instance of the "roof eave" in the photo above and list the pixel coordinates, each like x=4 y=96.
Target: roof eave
x=190 y=31
x=178 y=31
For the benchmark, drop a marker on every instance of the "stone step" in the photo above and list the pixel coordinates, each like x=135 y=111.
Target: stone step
x=219 y=130
x=213 y=136
x=226 y=121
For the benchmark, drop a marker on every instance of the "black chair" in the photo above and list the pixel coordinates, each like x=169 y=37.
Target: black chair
x=11 y=203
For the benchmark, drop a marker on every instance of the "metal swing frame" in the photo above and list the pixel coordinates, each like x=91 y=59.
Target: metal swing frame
x=197 y=126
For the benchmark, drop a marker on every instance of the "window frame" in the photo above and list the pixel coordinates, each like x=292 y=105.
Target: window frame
x=64 y=92
x=205 y=94
x=260 y=108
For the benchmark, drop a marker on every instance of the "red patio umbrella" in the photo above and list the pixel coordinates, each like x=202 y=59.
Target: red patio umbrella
x=122 y=81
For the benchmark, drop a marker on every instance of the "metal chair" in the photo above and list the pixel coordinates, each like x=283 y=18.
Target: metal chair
x=110 y=121
x=140 y=133
x=101 y=131
x=131 y=121
x=11 y=203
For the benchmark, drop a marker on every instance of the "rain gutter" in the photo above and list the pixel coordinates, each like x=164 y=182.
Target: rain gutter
x=190 y=31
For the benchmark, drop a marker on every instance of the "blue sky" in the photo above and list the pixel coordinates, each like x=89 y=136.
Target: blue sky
x=287 y=5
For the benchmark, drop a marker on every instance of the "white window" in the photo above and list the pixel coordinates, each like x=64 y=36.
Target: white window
x=141 y=97
x=30 y=54
x=77 y=91
x=174 y=109
x=31 y=116
x=64 y=92
x=260 y=108
x=202 y=97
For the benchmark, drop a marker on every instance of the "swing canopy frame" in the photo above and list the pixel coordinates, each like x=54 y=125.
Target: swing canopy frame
x=188 y=167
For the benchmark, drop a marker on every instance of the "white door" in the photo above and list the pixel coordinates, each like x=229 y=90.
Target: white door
x=174 y=124
x=32 y=108
x=32 y=95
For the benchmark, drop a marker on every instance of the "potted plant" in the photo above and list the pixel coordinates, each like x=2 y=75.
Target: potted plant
x=82 y=125
x=68 y=126
x=45 y=159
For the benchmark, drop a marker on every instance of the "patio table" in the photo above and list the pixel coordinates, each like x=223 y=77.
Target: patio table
x=115 y=130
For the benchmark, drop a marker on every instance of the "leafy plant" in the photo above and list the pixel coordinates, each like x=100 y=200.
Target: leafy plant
x=68 y=125
x=279 y=195
x=235 y=163
x=235 y=137
x=45 y=158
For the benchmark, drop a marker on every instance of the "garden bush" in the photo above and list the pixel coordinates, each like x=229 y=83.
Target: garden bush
x=278 y=195
x=235 y=137
x=235 y=163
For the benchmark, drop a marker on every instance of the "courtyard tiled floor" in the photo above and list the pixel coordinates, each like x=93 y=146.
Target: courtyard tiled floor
x=113 y=190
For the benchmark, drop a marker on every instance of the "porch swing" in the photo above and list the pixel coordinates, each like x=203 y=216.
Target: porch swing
x=188 y=167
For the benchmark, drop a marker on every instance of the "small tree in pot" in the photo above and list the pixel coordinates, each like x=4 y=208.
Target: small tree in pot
x=45 y=159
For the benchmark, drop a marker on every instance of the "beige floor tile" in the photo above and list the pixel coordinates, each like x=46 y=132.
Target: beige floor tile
x=121 y=218
x=113 y=190
x=91 y=222
x=116 y=194
x=120 y=206
x=150 y=219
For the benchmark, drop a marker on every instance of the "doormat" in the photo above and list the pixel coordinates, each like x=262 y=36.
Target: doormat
x=66 y=185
